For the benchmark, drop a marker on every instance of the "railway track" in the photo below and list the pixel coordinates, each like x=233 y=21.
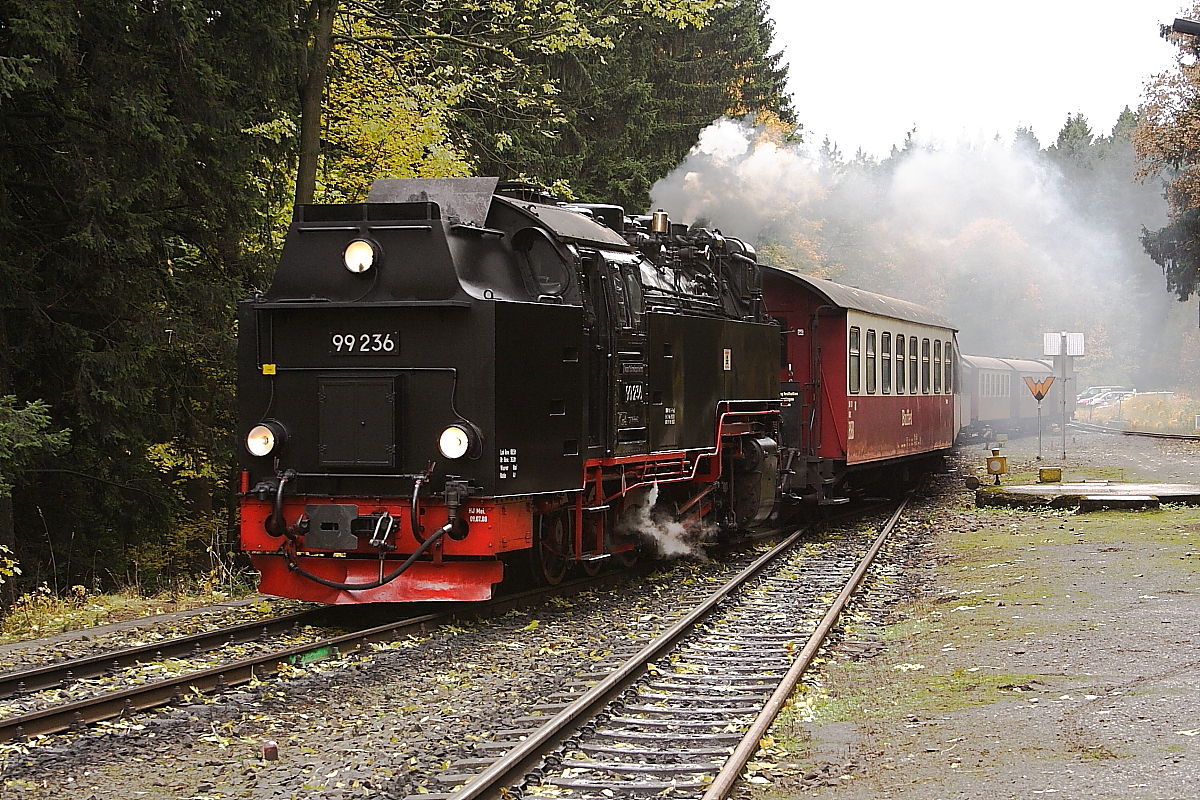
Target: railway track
x=1090 y=428
x=684 y=714
x=58 y=675
x=105 y=705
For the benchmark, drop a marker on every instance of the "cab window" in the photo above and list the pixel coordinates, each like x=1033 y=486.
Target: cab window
x=544 y=267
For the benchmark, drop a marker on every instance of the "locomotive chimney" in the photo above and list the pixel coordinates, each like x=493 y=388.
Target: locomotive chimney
x=661 y=223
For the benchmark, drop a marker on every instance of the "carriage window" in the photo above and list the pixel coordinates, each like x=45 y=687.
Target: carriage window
x=912 y=364
x=900 y=364
x=885 y=363
x=853 y=370
x=870 y=362
x=937 y=366
x=949 y=369
x=924 y=366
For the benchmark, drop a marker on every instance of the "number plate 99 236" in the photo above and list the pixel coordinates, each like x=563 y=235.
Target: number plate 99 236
x=364 y=344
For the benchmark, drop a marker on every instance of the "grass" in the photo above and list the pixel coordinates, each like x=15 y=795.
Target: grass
x=40 y=612
x=1017 y=558
x=863 y=690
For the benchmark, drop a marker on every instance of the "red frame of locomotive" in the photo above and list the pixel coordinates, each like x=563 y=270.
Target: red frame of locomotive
x=509 y=521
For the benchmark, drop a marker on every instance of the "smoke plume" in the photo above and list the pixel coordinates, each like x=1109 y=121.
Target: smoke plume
x=1008 y=240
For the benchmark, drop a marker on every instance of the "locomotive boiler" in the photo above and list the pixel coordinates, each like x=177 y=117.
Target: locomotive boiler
x=456 y=380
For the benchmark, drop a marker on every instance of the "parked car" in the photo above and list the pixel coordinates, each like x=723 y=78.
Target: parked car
x=1107 y=399
x=1090 y=393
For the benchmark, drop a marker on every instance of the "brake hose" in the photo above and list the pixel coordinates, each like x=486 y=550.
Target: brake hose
x=276 y=524
x=357 y=587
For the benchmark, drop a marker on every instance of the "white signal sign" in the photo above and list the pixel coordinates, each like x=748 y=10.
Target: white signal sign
x=1052 y=344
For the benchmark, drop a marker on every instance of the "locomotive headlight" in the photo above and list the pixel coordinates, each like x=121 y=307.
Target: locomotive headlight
x=454 y=442
x=360 y=255
x=264 y=438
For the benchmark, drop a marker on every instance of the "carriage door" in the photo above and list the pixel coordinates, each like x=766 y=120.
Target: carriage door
x=791 y=398
x=629 y=364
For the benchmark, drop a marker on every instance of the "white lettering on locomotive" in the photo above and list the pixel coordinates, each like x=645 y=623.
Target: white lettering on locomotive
x=508 y=462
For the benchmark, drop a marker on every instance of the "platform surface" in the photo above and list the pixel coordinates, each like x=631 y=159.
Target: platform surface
x=1163 y=491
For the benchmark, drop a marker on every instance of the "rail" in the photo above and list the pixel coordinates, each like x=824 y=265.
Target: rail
x=110 y=705
x=1090 y=428
x=529 y=756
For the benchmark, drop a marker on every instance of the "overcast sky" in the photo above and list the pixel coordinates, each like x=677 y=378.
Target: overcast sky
x=865 y=74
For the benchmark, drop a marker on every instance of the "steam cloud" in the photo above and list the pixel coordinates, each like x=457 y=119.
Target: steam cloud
x=1009 y=241
x=670 y=539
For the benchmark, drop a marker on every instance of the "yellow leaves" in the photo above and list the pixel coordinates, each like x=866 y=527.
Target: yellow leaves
x=532 y=626
x=908 y=667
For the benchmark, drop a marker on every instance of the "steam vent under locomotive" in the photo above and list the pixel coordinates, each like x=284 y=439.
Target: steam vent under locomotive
x=456 y=379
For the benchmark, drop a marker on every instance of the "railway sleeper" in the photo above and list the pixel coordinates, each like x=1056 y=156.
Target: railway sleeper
x=727 y=710
x=639 y=752
x=629 y=768
x=639 y=722
x=624 y=787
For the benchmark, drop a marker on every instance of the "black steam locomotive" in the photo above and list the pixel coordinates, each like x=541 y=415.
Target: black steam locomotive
x=456 y=378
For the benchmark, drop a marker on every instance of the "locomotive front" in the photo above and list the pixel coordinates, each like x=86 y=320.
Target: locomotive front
x=367 y=378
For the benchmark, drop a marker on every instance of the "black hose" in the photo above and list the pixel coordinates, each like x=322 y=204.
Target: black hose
x=276 y=526
x=414 y=511
x=357 y=587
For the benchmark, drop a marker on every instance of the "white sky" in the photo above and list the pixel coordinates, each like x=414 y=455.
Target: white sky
x=866 y=73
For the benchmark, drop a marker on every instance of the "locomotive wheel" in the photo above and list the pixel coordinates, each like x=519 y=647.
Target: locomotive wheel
x=627 y=558
x=592 y=568
x=551 y=550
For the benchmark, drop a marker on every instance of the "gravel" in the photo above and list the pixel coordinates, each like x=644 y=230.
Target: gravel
x=379 y=725
x=1036 y=653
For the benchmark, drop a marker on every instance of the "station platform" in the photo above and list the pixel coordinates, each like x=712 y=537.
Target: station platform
x=1088 y=495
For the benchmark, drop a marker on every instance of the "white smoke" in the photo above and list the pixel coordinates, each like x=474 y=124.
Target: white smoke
x=669 y=538
x=1008 y=241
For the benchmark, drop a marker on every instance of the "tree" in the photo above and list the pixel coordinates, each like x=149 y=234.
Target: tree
x=124 y=201
x=23 y=437
x=632 y=112
x=1167 y=142
x=485 y=46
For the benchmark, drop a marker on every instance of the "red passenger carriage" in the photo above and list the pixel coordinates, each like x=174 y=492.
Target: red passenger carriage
x=868 y=382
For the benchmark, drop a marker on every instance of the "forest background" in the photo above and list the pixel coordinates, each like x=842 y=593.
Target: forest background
x=151 y=154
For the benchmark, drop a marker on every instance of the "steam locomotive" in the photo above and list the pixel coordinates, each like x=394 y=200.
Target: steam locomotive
x=460 y=379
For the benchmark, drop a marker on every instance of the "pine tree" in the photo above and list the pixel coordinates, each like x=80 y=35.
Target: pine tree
x=123 y=204
x=631 y=114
